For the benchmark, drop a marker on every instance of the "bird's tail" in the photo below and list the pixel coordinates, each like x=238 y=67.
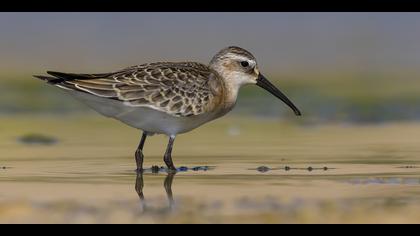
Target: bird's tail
x=49 y=79
x=60 y=77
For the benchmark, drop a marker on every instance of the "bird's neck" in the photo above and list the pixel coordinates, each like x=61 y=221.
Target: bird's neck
x=231 y=91
x=231 y=85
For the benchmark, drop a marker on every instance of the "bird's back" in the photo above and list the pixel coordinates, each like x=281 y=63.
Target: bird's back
x=179 y=90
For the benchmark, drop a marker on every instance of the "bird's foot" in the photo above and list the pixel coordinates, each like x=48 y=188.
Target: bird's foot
x=172 y=170
x=139 y=170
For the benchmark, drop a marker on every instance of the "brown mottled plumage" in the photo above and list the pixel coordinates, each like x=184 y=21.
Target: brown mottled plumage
x=179 y=89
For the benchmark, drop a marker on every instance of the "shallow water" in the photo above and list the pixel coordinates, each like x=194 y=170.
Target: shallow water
x=262 y=171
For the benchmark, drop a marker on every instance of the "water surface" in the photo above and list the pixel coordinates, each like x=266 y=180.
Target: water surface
x=263 y=171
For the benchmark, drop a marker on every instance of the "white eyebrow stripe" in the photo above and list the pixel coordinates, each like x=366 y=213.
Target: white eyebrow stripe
x=238 y=57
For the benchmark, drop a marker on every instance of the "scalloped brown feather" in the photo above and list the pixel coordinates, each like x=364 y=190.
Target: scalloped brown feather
x=179 y=89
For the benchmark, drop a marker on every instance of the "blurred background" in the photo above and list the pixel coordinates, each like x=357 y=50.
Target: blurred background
x=337 y=67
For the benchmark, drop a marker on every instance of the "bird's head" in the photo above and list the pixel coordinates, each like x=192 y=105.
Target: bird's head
x=239 y=67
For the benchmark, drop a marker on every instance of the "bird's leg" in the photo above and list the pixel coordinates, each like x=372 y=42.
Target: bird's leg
x=139 y=153
x=168 y=155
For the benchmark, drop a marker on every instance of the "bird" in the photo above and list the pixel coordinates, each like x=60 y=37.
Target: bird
x=168 y=98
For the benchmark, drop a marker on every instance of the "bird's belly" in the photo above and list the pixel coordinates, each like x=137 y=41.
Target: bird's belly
x=147 y=119
x=154 y=121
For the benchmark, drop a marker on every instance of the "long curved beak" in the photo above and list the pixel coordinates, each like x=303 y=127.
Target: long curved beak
x=267 y=85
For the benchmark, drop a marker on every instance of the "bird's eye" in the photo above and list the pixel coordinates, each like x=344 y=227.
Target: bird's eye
x=244 y=63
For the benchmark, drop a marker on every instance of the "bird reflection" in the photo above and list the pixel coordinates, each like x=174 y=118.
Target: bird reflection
x=168 y=188
x=167 y=184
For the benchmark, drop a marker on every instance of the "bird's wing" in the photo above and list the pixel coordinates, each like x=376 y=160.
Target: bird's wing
x=178 y=89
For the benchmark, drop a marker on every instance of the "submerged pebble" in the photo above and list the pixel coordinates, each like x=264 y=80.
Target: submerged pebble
x=310 y=168
x=155 y=169
x=198 y=168
x=37 y=139
x=409 y=167
x=263 y=169
x=183 y=168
